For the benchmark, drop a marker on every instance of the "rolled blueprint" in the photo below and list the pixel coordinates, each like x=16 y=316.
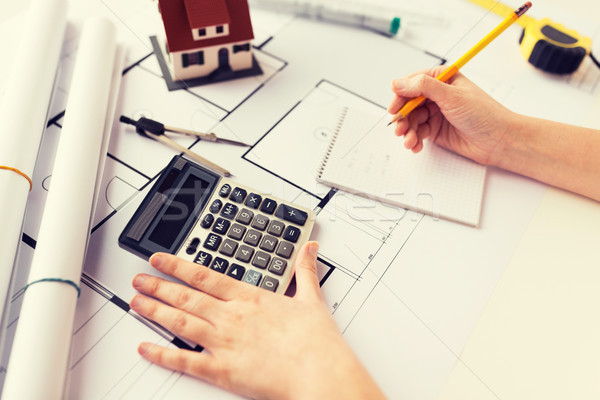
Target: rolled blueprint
x=23 y=114
x=40 y=355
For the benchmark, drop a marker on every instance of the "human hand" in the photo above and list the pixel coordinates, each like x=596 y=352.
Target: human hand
x=257 y=343
x=458 y=115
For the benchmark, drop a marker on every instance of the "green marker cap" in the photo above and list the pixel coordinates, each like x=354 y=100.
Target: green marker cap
x=395 y=26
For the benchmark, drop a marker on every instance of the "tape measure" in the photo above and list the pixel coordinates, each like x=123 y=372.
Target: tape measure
x=547 y=45
x=554 y=48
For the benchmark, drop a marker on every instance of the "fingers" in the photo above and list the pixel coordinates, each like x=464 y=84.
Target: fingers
x=178 y=322
x=421 y=83
x=179 y=296
x=415 y=128
x=204 y=279
x=307 y=280
x=198 y=364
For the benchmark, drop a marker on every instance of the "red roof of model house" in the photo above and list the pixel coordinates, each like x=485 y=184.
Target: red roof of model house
x=181 y=16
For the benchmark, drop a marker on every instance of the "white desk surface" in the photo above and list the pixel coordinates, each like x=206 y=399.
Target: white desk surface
x=538 y=335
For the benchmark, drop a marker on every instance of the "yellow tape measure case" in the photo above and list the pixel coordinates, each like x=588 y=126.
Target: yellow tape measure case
x=552 y=47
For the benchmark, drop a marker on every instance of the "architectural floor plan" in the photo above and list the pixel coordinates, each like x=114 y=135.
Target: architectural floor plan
x=405 y=289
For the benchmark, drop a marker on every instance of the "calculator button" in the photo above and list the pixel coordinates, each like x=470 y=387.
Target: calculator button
x=219 y=265
x=278 y=266
x=203 y=259
x=245 y=216
x=221 y=226
x=291 y=214
x=193 y=246
x=229 y=211
x=269 y=283
x=236 y=271
x=252 y=237
x=268 y=243
x=212 y=241
x=238 y=195
x=244 y=253
x=260 y=222
x=285 y=249
x=228 y=247
x=261 y=260
x=275 y=228
x=207 y=221
x=253 y=200
x=252 y=277
x=268 y=206
x=216 y=205
x=291 y=234
x=225 y=190
x=237 y=232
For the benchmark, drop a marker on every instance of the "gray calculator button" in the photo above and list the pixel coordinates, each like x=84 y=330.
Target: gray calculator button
x=285 y=249
x=245 y=216
x=260 y=222
x=275 y=228
x=252 y=237
x=261 y=260
x=269 y=283
x=244 y=253
x=237 y=232
x=228 y=247
x=252 y=277
x=277 y=266
x=268 y=243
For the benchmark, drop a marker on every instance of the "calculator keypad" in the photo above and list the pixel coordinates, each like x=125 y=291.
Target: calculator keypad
x=248 y=237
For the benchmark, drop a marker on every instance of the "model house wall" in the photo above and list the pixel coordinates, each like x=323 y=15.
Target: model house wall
x=203 y=37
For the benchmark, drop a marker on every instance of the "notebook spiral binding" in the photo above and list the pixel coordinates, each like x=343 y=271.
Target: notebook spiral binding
x=336 y=132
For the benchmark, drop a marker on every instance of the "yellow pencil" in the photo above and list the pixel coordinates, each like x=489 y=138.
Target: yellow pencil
x=453 y=69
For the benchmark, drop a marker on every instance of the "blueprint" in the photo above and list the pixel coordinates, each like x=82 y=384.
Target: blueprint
x=405 y=289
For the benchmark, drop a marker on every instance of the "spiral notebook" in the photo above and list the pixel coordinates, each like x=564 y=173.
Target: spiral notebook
x=364 y=157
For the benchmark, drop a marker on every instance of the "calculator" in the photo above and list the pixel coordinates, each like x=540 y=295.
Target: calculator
x=217 y=223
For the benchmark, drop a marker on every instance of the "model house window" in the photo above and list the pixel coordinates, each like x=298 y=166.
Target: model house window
x=241 y=47
x=220 y=29
x=196 y=58
x=202 y=32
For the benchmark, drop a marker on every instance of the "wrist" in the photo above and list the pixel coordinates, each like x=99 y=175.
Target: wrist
x=511 y=139
x=336 y=374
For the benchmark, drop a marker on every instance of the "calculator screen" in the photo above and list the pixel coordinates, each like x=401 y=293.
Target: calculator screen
x=188 y=196
x=183 y=205
x=170 y=209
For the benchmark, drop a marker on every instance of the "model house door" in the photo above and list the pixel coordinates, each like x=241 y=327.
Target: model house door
x=223 y=59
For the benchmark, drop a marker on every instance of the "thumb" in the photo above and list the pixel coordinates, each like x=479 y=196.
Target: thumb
x=307 y=281
x=423 y=85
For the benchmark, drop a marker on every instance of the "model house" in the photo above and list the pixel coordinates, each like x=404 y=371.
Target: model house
x=206 y=39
